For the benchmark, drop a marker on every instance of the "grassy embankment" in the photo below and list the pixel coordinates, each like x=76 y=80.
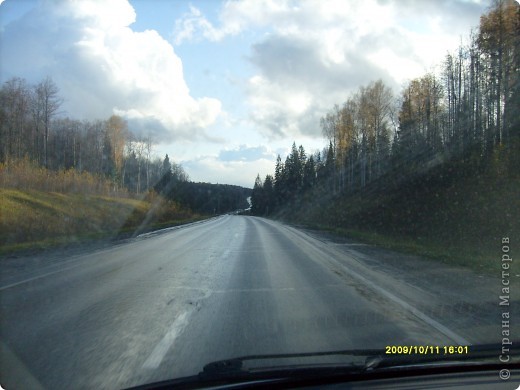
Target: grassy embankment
x=457 y=213
x=69 y=208
x=35 y=219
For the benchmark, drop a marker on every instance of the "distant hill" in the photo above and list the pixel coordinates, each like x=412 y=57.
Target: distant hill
x=207 y=198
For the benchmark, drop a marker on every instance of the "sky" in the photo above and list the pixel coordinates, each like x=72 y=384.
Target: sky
x=223 y=87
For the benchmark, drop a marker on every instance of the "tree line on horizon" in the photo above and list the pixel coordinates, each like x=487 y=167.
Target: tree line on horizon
x=203 y=198
x=468 y=111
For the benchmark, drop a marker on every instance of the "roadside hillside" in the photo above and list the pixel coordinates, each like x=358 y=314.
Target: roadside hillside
x=31 y=218
x=456 y=212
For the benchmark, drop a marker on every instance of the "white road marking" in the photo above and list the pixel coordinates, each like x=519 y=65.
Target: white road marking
x=419 y=314
x=162 y=347
x=38 y=277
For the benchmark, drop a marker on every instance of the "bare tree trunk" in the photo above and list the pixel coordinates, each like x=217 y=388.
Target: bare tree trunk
x=48 y=104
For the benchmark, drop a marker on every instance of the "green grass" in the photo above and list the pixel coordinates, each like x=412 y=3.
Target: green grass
x=32 y=219
x=425 y=248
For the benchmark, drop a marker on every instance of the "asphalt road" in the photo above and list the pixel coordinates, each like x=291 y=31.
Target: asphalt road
x=163 y=305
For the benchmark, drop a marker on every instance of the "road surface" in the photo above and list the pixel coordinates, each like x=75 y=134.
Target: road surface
x=163 y=305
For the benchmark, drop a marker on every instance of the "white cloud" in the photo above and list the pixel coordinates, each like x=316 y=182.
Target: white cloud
x=194 y=23
x=313 y=53
x=235 y=17
x=237 y=165
x=246 y=153
x=102 y=67
x=243 y=173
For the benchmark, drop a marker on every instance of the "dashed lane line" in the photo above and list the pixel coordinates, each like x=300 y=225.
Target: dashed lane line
x=154 y=360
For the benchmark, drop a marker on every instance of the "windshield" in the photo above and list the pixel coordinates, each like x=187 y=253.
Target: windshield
x=190 y=182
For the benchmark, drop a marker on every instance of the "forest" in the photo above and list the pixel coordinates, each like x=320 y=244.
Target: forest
x=101 y=156
x=32 y=128
x=387 y=152
x=203 y=198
